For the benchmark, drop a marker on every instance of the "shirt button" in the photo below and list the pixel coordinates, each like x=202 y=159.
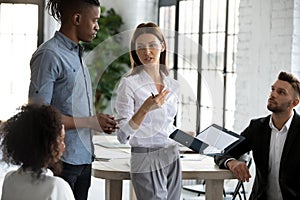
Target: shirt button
x=37 y=92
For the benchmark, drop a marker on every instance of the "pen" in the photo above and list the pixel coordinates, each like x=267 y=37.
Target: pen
x=153 y=96
x=118 y=120
x=103 y=159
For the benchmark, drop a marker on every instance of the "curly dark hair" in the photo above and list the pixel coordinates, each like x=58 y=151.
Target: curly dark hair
x=30 y=137
x=57 y=8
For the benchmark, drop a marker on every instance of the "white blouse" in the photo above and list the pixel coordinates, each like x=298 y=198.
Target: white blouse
x=154 y=131
x=19 y=184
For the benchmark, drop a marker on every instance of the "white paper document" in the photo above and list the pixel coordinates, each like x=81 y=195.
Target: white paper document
x=216 y=138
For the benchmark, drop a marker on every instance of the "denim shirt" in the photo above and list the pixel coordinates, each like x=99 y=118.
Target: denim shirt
x=60 y=78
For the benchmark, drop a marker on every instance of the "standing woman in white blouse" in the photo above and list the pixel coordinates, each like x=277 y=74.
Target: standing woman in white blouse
x=146 y=105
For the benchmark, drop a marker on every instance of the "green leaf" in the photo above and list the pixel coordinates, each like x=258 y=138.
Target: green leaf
x=109 y=23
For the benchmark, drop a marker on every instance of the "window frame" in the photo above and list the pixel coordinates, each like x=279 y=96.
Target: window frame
x=225 y=71
x=41 y=8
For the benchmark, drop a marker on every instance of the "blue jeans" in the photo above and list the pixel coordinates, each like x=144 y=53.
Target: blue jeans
x=79 y=178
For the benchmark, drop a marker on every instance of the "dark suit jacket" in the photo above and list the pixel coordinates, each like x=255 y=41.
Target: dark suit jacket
x=258 y=135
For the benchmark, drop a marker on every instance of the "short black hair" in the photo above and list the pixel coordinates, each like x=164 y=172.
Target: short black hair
x=30 y=136
x=57 y=8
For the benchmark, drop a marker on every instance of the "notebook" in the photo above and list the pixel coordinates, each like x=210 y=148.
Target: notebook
x=213 y=141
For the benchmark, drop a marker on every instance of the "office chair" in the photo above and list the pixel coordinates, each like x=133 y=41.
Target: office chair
x=238 y=191
x=240 y=185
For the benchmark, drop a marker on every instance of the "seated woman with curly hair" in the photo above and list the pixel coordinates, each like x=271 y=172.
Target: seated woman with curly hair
x=34 y=140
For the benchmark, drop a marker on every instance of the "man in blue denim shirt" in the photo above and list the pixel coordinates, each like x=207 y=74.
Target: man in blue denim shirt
x=60 y=78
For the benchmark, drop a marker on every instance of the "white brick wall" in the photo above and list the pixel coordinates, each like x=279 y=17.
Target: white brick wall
x=267 y=44
x=296 y=40
x=296 y=43
x=134 y=12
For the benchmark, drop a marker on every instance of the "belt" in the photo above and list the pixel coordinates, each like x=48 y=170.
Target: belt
x=146 y=150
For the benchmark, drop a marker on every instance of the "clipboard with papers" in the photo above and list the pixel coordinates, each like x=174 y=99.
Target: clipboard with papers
x=213 y=141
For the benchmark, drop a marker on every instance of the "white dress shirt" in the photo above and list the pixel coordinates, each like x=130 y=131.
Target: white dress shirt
x=276 y=146
x=20 y=185
x=154 y=131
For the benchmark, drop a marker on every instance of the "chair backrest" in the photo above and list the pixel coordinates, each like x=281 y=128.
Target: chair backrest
x=240 y=183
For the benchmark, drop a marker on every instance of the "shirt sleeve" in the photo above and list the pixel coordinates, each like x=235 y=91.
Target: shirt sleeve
x=124 y=107
x=229 y=159
x=44 y=72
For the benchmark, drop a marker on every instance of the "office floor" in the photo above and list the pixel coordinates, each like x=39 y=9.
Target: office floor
x=96 y=191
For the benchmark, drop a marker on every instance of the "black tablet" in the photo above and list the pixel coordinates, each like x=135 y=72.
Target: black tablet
x=213 y=141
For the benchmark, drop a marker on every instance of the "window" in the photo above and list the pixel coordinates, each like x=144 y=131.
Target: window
x=21 y=31
x=202 y=41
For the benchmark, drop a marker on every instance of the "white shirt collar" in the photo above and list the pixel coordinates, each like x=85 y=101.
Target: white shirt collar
x=286 y=125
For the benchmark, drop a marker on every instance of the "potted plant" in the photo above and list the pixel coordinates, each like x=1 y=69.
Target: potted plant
x=106 y=58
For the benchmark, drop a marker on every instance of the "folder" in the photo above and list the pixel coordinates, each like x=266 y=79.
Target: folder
x=213 y=141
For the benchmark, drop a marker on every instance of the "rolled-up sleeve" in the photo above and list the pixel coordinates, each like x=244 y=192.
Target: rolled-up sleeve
x=44 y=72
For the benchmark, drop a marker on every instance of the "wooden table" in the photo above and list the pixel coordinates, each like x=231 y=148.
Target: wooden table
x=116 y=169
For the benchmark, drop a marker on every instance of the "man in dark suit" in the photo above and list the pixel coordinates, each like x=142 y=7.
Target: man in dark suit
x=275 y=143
